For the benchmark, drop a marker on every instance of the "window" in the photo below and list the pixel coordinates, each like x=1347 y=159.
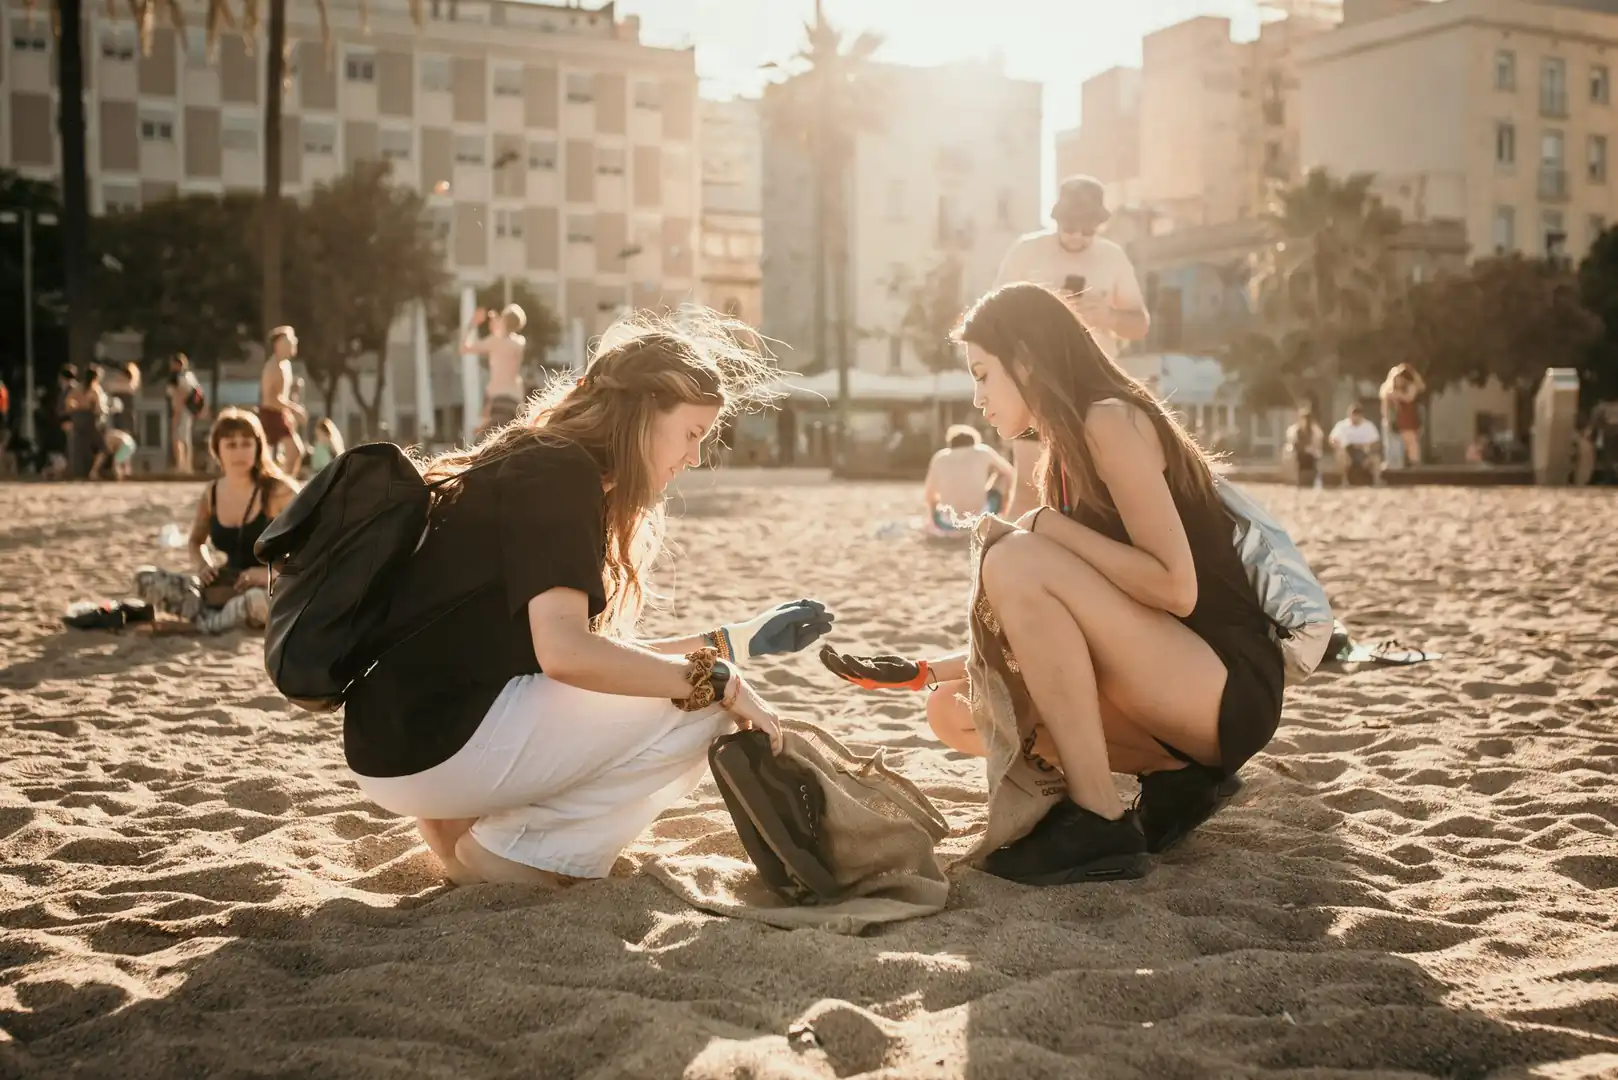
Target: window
x=1597 y=224
x=1505 y=229
x=581 y=229
x=196 y=47
x=1505 y=143
x=1553 y=86
x=471 y=149
x=319 y=137
x=542 y=155
x=713 y=244
x=439 y=220
x=239 y=131
x=508 y=224
x=1505 y=70
x=1600 y=85
x=360 y=68
x=120 y=198
x=1274 y=165
x=156 y=126
x=1598 y=159
x=610 y=160
x=118 y=46
x=896 y=354
x=648 y=95
x=29 y=39
x=581 y=88
x=395 y=144
x=508 y=82
x=1555 y=231
x=1552 y=149
x=435 y=74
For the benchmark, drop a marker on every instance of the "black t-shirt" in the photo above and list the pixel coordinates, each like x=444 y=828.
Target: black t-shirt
x=519 y=527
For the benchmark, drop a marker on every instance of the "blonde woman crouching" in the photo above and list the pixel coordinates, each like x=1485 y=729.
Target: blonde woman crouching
x=523 y=728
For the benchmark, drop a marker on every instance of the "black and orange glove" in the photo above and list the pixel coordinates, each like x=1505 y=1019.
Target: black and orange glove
x=879 y=672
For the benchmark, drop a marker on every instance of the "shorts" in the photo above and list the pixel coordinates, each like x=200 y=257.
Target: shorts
x=503 y=410
x=274 y=420
x=124 y=452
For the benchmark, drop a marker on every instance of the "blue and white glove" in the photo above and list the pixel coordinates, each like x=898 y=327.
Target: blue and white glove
x=784 y=628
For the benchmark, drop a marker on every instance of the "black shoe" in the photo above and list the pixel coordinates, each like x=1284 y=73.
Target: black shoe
x=1070 y=844
x=1173 y=803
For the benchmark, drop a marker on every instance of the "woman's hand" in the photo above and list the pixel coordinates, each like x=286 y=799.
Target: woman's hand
x=750 y=714
x=206 y=572
x=784 y=628
x=254 y=577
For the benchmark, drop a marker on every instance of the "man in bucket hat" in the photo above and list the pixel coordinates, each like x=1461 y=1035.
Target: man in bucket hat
x=1095 y=271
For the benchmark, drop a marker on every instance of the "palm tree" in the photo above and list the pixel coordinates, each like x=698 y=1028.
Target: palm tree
x=830 y=100
x=1327 y=272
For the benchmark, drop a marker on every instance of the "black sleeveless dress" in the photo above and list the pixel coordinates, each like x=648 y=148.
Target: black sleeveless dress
x=1228 y=617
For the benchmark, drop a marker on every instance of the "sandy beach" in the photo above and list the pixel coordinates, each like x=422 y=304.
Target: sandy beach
x=1420 y=877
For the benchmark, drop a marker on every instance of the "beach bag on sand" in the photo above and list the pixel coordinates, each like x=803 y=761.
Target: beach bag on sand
x=877 y=837
x=779 y=810
x=333 y=554
x=1300 y=615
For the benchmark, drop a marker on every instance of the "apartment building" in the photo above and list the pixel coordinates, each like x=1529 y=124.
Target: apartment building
x=1106 y=144
x=732 y=228
x=1498 y=113
x=951 y=173
x=555 y=148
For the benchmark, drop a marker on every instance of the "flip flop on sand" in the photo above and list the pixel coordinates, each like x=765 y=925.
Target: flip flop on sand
x=1343 y=651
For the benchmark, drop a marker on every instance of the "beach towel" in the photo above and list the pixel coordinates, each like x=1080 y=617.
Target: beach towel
x=880 y=832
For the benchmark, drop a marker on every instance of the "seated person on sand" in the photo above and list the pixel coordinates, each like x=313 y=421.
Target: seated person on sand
x=1358 y=446
x=232 y=514
x=1143 y=647
x=524 y=726
x=965 y=479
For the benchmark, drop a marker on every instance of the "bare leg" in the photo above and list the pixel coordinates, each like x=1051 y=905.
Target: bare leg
x=1129 y=749
x=485 y=865
x=1412 y=440
x=441 y=835
x=1056 y=665
x=294 y=447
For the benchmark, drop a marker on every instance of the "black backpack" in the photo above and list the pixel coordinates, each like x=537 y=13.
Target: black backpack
x=334 y=554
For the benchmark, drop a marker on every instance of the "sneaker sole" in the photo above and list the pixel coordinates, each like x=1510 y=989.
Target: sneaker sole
x=1223 y=793
x=1111 y=868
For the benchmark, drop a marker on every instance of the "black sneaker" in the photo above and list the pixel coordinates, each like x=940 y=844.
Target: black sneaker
x=1174 y=802
x=1070 y=844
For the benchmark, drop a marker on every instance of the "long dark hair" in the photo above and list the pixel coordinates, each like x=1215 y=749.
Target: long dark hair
x=1061 y=372
x=234 y=421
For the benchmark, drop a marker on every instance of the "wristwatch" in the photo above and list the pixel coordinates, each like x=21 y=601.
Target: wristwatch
x=720 y=680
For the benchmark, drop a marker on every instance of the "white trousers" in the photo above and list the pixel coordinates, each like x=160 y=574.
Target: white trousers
x=561 y=778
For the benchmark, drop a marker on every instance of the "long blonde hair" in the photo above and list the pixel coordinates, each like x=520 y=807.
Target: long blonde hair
x=643 y=365
x=1061 y=372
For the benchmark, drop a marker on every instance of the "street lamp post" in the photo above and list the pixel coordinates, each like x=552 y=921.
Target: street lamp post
x=27 y=217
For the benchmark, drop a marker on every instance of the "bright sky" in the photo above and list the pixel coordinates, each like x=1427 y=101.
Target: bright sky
x=1056 y=42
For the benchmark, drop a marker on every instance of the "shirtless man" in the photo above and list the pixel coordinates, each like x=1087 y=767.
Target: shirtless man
x=1073 y=259
x=280 y=415
x=502 y=398
x=965 y=478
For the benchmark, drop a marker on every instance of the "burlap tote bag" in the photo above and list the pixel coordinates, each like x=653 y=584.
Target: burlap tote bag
x=880 y=836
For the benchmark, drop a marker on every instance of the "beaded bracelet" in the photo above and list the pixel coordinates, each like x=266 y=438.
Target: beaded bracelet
x=719 y=640
x=699 y=673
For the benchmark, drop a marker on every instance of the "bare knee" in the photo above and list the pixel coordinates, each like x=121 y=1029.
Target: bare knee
x=1011 y=570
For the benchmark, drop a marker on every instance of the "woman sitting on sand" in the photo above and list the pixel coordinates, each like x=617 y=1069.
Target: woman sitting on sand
x=522 y=726
x=1141 y=643
x=228 y=587
x=964 y=479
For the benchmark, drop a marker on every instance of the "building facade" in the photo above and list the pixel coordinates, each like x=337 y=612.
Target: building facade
x=554 y=147
x=1497 y=113
x=950 y=177
x=732 y=227
x=1106 y=144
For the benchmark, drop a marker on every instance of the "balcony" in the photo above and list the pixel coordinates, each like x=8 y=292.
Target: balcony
x=1553 y=184
x=1553 y=105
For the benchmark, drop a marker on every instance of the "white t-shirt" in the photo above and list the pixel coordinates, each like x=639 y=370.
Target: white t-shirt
x=1347 y=432
x=1105 y=267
